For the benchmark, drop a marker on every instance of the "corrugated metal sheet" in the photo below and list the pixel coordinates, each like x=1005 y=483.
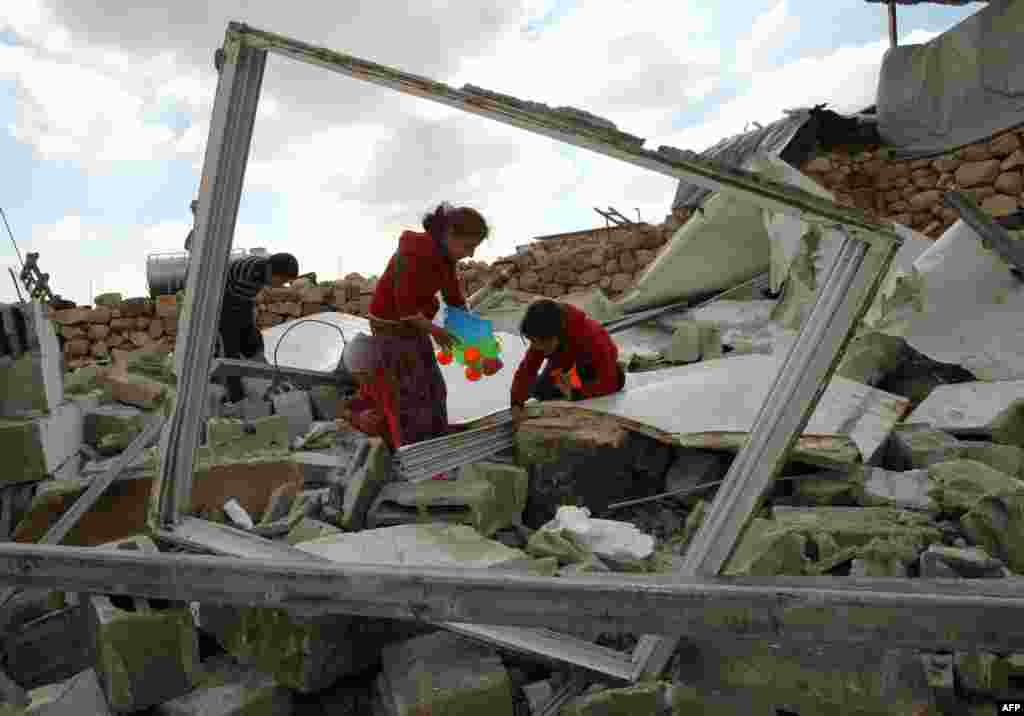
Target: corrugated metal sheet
x=734 y=151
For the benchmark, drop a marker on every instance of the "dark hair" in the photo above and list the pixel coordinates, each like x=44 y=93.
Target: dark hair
x=463 y=221
x=543 y=319
x=283 y=265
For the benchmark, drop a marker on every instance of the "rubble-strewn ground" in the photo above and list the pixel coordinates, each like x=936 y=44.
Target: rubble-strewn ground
x=942 y=496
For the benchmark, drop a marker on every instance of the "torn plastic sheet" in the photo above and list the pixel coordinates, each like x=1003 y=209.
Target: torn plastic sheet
x=315 y=346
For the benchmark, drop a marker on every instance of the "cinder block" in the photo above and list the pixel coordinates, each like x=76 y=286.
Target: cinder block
x=145 y=652
x=34 y=379
x=33 y=448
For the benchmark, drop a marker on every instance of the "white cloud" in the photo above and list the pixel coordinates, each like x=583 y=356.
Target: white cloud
x=770 y=32
x=846 y=79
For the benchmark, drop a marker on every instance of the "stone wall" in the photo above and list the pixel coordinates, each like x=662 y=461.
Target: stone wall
x=910 y=192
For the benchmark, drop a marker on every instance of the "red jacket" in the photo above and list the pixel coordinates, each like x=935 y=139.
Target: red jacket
x=587 y=342
x=375 y=412
x=416 y=272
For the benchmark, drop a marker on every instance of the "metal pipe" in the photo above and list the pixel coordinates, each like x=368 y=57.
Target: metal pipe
x=892 y=23
x=11 y=234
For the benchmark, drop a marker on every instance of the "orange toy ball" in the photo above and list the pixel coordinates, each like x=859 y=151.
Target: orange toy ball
x=444 y=358
x=471 y=354
x=472 y=374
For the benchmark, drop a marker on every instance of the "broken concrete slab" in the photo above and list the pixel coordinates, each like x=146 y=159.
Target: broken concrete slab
x=871 y=356
x=80 y=695
x=958 y=484
x=319 y=467
x=443 y=673
x=1008 y=425
x=768 y=549
x=366 y=475
x=971 y=562
x=261 y=698
x=996 y=523
x=486 y=495
x=435 y=545
x=33 y=381
x=1008 y=459
x=967 y=408
x=908 y=489
x=856 y=526
x=918 y=446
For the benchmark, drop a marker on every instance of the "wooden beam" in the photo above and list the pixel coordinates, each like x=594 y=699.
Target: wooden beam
x=901 y=613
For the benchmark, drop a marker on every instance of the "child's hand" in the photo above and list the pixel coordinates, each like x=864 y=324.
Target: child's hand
x=564 y=384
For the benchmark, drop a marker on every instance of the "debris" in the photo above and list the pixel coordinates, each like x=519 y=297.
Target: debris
x=918 y=446
x=996 y=523
x=307 y=530
x=443 y=673
x=368 y=472
x=967 y=408
x=691 y=468
x=296 y=407
x=235 y=699
x=80 y=695
x=908 y=489
x=1008 y=425
x=766 y=549
x=231 y=438
x=111 y=428
x=486 y=495
x=959 y=484
x=856 y=526
x=641 y=700
x=1008 y=459
x=237 y=514
x=33 y=380
x=36 y=447
x=971 y=562
x=607 y=538
x=51 y=647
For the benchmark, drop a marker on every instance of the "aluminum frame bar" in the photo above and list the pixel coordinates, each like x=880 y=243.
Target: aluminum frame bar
x=902 y=613
x=227 y=152
x=984 y=226
x=846 y=294
x=224 y=367
x=673 y=162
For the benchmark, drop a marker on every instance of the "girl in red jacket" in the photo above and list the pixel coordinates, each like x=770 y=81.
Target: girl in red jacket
x=582 y=359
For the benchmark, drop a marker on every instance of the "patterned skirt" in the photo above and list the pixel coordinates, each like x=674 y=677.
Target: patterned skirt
x=422 y=394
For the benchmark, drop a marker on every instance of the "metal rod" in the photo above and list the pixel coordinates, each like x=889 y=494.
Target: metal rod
x=892 y=23
x=13 y=242
x=913 y=613
x=17 y=286
x=990 y=232
x=227 y=152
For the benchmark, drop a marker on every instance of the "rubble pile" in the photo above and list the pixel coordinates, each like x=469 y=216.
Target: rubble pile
x=909 y=192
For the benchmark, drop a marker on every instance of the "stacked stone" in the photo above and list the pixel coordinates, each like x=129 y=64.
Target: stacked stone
x=351 y=294
x=910 y=192
x=90 y=333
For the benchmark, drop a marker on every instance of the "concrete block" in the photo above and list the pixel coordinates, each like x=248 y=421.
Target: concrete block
x=50 y=648
x=145 y=653
x=325 y=402
x=442 y=673
x=922 y=445
x=80 y=695
x=363 y=482
x=885 y=488
x=37 y=447
x=685 y=346
x=295 y=405
x=305 y=654
x=111 y=427
x=231 y=438
x=768 y=549
x=486 y=495
x=996 y=523
x=34 y=380
x=858 y=526
x=259 y=698
x=958 y=484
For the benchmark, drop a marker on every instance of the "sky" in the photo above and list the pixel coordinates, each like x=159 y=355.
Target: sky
x=105 y=108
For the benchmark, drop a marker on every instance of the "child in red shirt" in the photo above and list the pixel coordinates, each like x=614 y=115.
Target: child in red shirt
x=582 y=358
x=374 y=410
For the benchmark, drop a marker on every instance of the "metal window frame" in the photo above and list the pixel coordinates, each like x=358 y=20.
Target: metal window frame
x=697 y=601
